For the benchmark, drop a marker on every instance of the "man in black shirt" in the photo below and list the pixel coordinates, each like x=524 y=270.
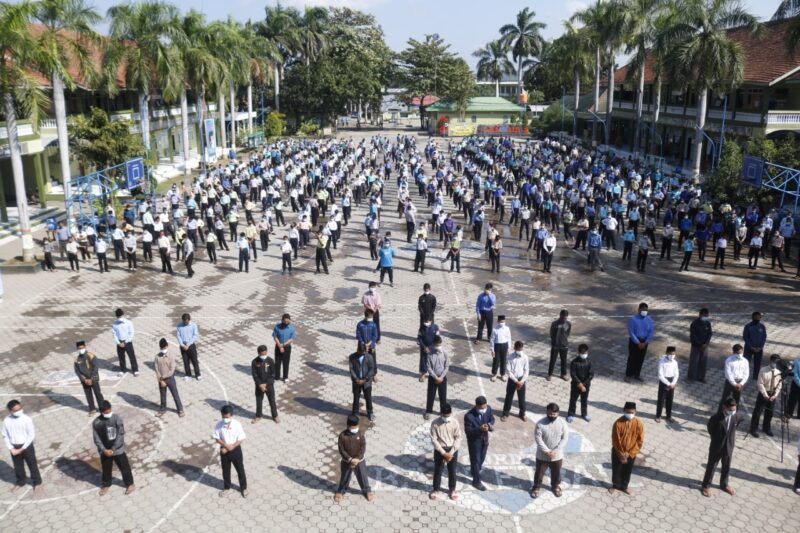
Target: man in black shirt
x=109 y=438
x=263 y=371
x=699 y=336
x=580 y=369
x=362 y=371
x=426 y=305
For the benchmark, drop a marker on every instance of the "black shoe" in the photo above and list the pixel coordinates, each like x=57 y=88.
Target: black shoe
x=754 y=434
x=480 y=486
x=768 y=432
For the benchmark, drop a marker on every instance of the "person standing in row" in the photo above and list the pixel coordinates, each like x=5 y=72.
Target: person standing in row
x=551 y=437
x=89 y=375
x=755 y=338
x=668 y=374
x=283 y=334
x=627 y=437
x=263 y=370
x=367 y=334
x=352 y=449
x=362 y=372
x=640 y=335
x=211 y=247
x=187 y=340
x=518 y=370
x=478 y=423
x=498 y=344
x=109 y=438
x=427 y=333
x=286 y=255
x=188 y=257
x=426 y=305
x=18 y=436
x=559 y=344
x=700 y=334
x=243 y=245
x=164 y=252
x=722 y=430
x=372 y=301
x=101 y=249
x=770 y=382
x=165 y=365
x=321 y=246
x=229 y=434
x=386 y=261
x=122 y=329
x=580 y=370
x=438 y=366
x=484 y=311
x=446 y=437
x=737 y=372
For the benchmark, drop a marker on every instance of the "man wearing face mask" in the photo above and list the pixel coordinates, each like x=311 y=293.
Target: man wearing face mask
x=229 y=434
x=700 y=333
x=18 y=435
x=498 y=344
x=426 y=304
x=89 y=375
x=362 y=372
x=770 y=381
x=755 y=337
x=367 y=334
x=352 y=448
x=580 y=370
x=484 y=311
x=518 y=370
x=372 y=301
x=722 y=429
x=640 y=334
x=109 y=438
x=627 y=438
x=446 y=437
x=428 y=331
x=122 y=330
x=668 y=374
x=551 y=438
x=438 y=366
x=478 y=423
x=283 y=334
x=262 y=368
x=559 y=344
x=165 y=365
x=737 y=372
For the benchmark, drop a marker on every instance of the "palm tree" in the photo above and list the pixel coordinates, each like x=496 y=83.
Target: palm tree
x=703 y=56
x=493 y=63
x=790 y=9
x=311 y=36
x=261 y=55
x=592 y=19
x=524 y=39
x=576 y=54
x=230 y=48
x=68 y=37
x=146 y=37
x=280 y=26
x=658 y=52
x=19 y=50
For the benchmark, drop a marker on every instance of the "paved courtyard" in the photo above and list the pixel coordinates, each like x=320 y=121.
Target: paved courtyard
x=293 y=467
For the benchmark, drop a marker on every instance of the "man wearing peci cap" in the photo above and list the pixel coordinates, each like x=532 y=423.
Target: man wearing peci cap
x=551 y=438
x=640 y=335
x=627 y=438
x=165 y=365
x=109 y=438
x=362 y=372
x=352 y=448
x=88 y=374
x=262 y=368
x=478 y=423
x=446 y=437
x=722 y=429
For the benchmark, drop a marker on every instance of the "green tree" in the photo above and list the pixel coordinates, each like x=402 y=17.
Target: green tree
x=460 y=86
x=99 y=143
x=420 y=65
x=703 y=56
x=574 y=54
x=493 y=63
x=280 y=27
x=787 y=9
x=524 y=38
x=276 y=124
x=552 y=118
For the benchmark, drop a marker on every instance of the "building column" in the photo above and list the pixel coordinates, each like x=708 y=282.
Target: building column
x=40 y=186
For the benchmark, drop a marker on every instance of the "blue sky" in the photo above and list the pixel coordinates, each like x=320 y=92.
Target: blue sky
x=465 y=24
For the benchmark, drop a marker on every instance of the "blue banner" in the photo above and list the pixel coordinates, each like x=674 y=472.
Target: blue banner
x=752 y=170
x=134 y=173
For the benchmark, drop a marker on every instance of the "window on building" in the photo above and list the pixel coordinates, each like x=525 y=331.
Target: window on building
x=749 y=99
x=779 y=99
x=677 y=97
x=474 y=119
x=505 y=119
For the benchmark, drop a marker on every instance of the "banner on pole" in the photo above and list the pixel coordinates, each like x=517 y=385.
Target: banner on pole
x=134 y=173
x=211 y=139
x=752 y=170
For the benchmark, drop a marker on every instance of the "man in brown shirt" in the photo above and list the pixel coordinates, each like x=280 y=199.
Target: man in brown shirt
x=352 y=447
x=627 y=437
x=164 y=366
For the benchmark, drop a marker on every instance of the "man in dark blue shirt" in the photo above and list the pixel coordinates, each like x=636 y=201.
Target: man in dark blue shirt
x=755 y=337
x=484 y=311
x=478 y=423
x=367 y=334
x=640 y=334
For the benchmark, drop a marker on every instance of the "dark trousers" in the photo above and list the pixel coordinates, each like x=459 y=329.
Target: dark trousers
x=419 y=261
x=286 y=262
x=511 y=387
x=438 y=465
x=124 y=467
x=321 y=260
x=282 y=360
x=389 y=271
x=211 y=248
x=719 y=259
x=754 y=358
x=433 y=388
x=627 y=249
x=357 y=390
x=687 y=257
x=728 y=391
x=27 y=457
x=636 y=357
x=574 y=393
x=666 y=247
x=147 y=251
x=641 y=260
x=347 y=473
x=555 y=353
x=486 y=320
x=477 y=455
x=235 y=458
x=793 y=401
x=166 y=260
x=499 y=359
x=698 y=359
x=131 y=259
x=244 y=260
x=764 y=406
x=555 y=473
x=621 y=472
x=664 y=400
x=102 y=262
x=93 y=388
x=190 y=359
x=75 y=265
x=127 y=349
x=376 y=317
x=270 y=393
x=188 y=260
x=173 y=389
x=714 y=457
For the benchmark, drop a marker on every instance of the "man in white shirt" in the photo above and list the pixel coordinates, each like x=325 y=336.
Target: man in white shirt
x=518 y=370
x=498 y=342
x=129 y=242
x=164 y=251
x=72 y=254
x=721 y=245
x=737 y=370
x=229 y=434
x=122 y=329
x=668 y=374
x=422 y=251
x=610 y=230
x=18 y=435
x=188 y=256
x=286 y=254
x=100 y=248
x=548 y=248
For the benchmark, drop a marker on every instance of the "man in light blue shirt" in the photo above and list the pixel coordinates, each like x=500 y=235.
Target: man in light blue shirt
x=122 y=329
x=640 y=334
x=484 y=311
x=283 y=334
x=187 y=339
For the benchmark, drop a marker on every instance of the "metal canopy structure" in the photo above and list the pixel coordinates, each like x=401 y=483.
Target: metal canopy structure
x=784 y=180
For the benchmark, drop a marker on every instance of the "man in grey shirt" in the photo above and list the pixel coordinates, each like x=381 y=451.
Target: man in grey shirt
x=551 y=437
x=438 y=365
x=109 y=437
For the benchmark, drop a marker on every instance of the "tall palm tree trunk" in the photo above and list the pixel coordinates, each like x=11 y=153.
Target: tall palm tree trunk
x=656 y=113
x=201 y=118
x=233 y=115
x=250 y=107
x=597 y=69
x=277 y=88
x=702 y=105
x=63 y=139
x=19 y=178
x=519 y=78
x=223 y=133
x=497 y=88
x=577 y=103
x=639 y=104
x=610 y=101
x=144 y=120
x=185 y=130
